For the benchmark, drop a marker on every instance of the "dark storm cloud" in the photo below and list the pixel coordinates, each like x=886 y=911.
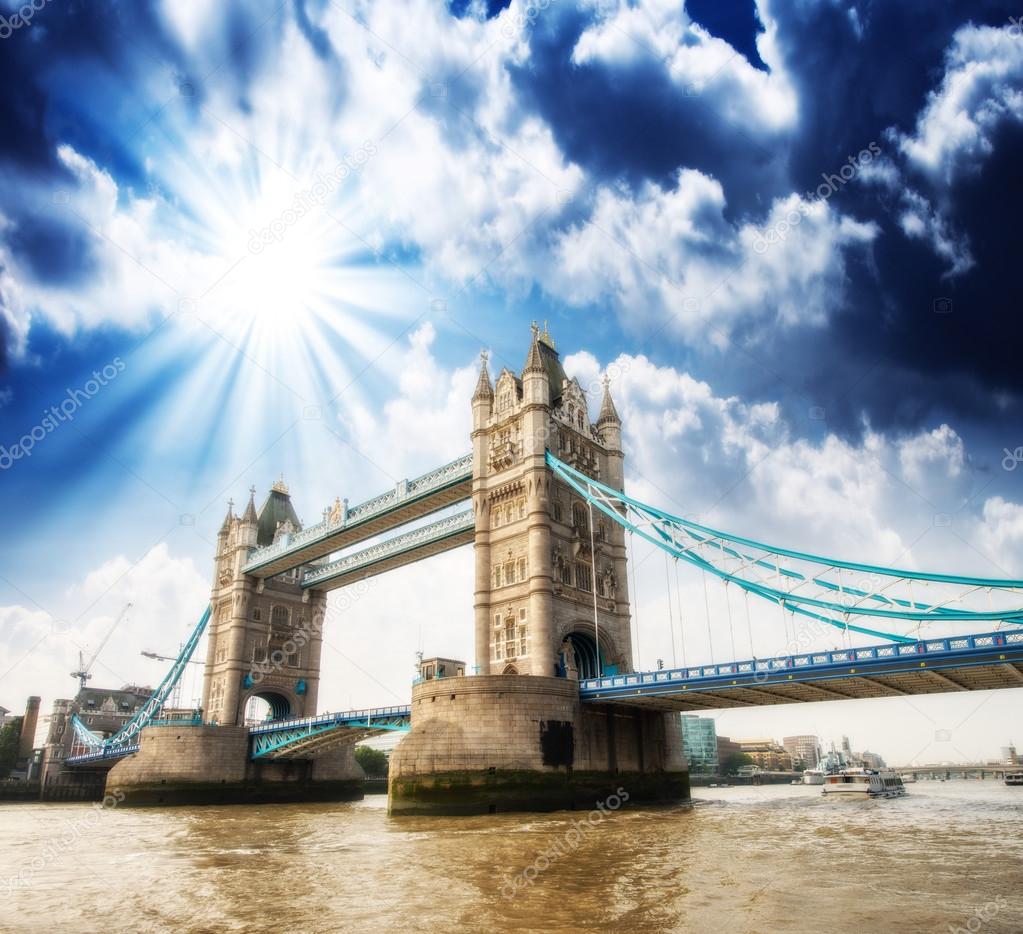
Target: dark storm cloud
x=858 y=70
x=931 y=343
x=633 y=122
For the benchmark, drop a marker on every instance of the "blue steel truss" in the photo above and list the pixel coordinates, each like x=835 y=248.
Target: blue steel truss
x=147 y=713
x=424 y=539
x=283 y=738
x=779 y=574
x=405 y=492
x=999 y=648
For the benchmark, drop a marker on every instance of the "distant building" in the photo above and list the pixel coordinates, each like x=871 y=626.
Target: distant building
x=1009 y=756
x=102 y=710
x=871 y=760
x=846 y=749
x=4 y=716
x=700 y=742
x=804 y=750
x=767 y=754
x=726 y=749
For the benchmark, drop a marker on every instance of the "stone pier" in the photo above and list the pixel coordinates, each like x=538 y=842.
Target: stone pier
x=211 y=765
x=499 y=743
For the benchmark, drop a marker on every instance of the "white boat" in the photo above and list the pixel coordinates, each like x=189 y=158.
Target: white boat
x=908 y=778
x=1014 y=778
x=864 y=783
x=812 y=777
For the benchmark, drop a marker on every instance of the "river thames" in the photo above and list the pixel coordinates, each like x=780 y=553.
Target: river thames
x=948 y=856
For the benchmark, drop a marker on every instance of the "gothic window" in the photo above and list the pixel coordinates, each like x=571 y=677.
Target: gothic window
x=583 y=578
x=509 y=639
x=508 y=515
x=579 y=517
x=509 y=572
x=259 y=653
x=497 y=576
x=566 y=573
x=579 y=418
x=497 y=651
x=497 y=619
x=602 y=531
x=522 y=640
x=293 y=659
x=279 y=616
x=497 y=517
x=556 y=510
x=505 y=401
x=257 y=613
x=522 y=569
x=522 y=509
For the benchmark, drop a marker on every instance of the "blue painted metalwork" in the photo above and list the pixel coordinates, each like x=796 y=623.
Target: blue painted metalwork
x=102 y=755
x=405 y=492
x=148 y=712
x=892 y=658
x=690 y=541
x=442 y=530
x=277 y=736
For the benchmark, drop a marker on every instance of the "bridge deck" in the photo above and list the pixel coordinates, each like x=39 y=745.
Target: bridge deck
x=964 y=663
x=433 y=539
x=307 y=737
x=408 y=501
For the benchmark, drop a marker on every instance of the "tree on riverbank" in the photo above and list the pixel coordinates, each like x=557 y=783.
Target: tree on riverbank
x=735 y=761
x=373 y=761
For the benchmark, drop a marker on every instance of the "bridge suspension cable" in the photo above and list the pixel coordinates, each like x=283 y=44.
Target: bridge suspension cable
x=152 y=707
x=801 y=583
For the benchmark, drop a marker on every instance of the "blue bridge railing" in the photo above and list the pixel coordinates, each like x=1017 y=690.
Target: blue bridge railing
x=821 y=663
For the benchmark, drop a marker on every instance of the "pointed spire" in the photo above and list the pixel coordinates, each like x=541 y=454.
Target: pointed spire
x=226 y=526
x=250 y=510
x=608 y=412
x=483 y=388
x=534 y=362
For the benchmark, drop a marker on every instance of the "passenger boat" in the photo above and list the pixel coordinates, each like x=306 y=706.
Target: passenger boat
x=908 y=778
x=1014 y=778
x=812 y=777
x=864 y=783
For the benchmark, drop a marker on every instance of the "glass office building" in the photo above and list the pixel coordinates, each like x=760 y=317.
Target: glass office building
x=700 y=742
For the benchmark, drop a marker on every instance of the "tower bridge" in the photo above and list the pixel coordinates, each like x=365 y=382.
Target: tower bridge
x=555 y=712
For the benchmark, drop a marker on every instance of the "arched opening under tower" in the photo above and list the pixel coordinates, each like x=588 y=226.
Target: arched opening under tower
x=266 y=706
x=586 y=659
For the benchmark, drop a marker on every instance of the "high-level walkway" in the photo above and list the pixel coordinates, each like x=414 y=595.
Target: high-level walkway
x=408 y=501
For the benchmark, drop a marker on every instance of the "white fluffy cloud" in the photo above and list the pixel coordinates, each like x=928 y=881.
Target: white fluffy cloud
x=699 y=63
x=39 y=647
x=979 y=91
x=672 y=254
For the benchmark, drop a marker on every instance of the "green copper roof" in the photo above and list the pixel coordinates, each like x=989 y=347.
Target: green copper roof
x=275 y=509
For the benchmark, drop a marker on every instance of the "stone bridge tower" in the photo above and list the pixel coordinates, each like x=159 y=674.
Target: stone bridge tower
x=551 y=605
x=265 y=637
x=551 y=596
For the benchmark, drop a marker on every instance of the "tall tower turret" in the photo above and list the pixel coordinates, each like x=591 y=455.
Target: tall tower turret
x=538 y=567
x=265 y=636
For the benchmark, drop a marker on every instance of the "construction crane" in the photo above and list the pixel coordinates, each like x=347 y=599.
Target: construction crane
x=82 y=674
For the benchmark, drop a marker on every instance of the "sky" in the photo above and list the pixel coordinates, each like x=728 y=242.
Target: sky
x=241 y=240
